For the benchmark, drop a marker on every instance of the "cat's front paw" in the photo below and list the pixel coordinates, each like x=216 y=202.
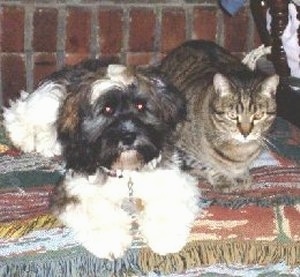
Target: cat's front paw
x=222 y=184
x=226 y=184
x=243 y=183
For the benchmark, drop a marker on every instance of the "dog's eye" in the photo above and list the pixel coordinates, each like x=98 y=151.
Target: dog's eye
x=108 y=110
x=140 y=106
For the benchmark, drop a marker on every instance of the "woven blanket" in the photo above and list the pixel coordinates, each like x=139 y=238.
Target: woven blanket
x=260 y=226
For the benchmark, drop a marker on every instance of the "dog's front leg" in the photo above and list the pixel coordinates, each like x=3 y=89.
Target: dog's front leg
x=166 y=224
x=95 y=216
x=169 y=207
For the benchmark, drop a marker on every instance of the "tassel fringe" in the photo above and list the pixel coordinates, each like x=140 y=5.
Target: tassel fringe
x=205 y=253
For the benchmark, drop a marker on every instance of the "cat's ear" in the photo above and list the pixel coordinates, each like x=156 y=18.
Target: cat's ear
x=221 y=84
x=269 y=85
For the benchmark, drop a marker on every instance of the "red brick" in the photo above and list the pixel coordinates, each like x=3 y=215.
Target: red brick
x=160 y=56
x=78 y=30
x=13 y=76
x=139 y=58
x=110 y=31
x=44 y=30
x=245 y=223
x=71 y=58
x=173 y=29
x=236 y=31
x=12 y=36
x=291 y=222
x=141 y=30
x=44 y=64
x=1 y=23
x=204 y=23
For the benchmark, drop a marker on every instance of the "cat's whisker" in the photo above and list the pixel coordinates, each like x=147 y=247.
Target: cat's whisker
x=270 y=145
x=264 y=145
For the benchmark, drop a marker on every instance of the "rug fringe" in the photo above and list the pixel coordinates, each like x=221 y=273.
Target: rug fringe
x=73 y=262
x=205 y=253
x=19 y=228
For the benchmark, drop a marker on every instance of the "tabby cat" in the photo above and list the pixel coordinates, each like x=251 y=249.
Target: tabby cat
x=230 y=111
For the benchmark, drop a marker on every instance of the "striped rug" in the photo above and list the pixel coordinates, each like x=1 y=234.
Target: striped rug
x=253 y=228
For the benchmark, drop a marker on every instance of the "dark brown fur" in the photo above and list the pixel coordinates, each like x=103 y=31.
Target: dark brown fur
x=78 y=125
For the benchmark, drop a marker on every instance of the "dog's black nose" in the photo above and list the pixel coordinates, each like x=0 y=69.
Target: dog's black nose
x=128 y=138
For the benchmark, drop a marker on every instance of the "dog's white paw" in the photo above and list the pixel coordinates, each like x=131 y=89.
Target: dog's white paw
x=108 y=244
x=166 y=233
x=102 y=236
x=170 y=208
x=105 y=236
x=165 y=241
x=96 y=218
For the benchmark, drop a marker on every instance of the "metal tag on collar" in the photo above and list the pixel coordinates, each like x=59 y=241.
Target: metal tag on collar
x=133 y=206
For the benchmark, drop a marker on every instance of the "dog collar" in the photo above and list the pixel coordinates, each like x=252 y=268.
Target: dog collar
x=112 y=172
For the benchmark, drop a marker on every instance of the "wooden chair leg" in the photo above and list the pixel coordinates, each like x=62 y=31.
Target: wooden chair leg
x=279 y=13
x=288 y=101
x=259 y=9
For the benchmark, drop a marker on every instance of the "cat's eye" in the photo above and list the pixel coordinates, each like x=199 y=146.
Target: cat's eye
x=232 y=115
x=258 y=115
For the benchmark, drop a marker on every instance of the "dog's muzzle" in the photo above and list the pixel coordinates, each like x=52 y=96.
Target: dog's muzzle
x=127 y=139
x=129 y=160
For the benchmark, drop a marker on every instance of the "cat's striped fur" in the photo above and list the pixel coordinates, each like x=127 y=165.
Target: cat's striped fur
x=230 y=111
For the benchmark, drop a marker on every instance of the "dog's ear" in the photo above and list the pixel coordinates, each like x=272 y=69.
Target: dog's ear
x=77 y=152
x=171 y=103
x=68 y=121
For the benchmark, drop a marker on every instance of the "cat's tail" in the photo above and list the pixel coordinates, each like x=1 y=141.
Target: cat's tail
x=253 y=56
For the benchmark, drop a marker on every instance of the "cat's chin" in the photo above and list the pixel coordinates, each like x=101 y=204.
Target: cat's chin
x=242 y=139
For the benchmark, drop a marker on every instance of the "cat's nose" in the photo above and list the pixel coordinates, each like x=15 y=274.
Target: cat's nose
x=245 y=128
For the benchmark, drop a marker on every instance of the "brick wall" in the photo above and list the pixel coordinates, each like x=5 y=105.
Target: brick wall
x=38 y=37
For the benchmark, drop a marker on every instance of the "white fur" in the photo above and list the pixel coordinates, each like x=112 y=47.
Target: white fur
x=99 y=87
x=119 y=73
x=30 y=120
x=170 y=200
x=117 y=76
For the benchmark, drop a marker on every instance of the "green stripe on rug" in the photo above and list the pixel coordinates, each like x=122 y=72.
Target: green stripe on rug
x=3 y=136
x=25 y=179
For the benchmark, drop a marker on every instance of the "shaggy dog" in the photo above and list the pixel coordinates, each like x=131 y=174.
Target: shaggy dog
x=114 y=127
